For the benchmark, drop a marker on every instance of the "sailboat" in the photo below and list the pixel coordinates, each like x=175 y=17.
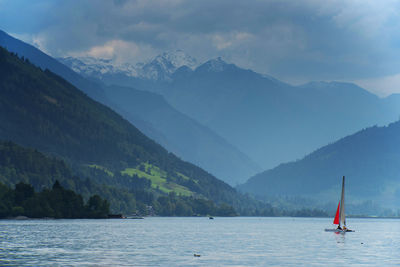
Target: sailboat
x=340 y=217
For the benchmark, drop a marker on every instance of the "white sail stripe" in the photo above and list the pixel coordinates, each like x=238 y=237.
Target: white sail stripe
x=342 y=216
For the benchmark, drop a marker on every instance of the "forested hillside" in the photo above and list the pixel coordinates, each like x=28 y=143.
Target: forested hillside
x=30 y=170
x=27 y=165
x=56 y=202
x=370 y=159
x=41 y=110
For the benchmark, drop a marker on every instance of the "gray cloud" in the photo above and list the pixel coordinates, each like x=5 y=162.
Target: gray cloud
x=292 y=40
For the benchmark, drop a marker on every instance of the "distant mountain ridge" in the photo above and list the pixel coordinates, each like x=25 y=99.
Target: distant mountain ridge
x=270 y=121
x=159 y=68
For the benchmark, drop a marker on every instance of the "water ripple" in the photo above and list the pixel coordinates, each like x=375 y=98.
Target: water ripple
x=174 y=241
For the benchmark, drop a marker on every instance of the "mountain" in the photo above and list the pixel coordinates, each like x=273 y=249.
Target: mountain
x=181 y=134
x=107 y=70
x=193 y=142
x=40 y=109
x=393 y=101
x=370 y=159
x=268 y=120
x=156 y=118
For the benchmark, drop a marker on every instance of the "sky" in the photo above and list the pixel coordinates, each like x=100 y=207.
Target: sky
x=294 y=41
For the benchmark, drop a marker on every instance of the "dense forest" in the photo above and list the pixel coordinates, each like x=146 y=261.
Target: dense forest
x=55 y=203
x=29 y=169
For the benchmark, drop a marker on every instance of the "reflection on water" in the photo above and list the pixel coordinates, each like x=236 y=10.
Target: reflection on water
x=340 y=236
x=174 y=241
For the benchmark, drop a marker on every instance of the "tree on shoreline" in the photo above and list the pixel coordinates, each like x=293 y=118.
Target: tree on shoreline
x=55 y=203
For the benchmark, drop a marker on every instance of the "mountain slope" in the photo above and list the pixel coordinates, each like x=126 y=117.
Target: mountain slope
x=370 y=159
x=182 y=135
x=40 y=109
x=18 y=164
x=44 y=61
x=27 y=165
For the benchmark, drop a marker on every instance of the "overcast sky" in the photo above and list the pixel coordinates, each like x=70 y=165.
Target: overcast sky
x=294 y=40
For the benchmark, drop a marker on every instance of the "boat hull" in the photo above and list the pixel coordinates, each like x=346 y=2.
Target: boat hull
x=338 y=230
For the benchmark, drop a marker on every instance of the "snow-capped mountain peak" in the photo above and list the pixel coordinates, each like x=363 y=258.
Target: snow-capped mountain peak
x=159 y=68
x=162 y=66
x=214 y=65
x=94 y=67
x=179 y=58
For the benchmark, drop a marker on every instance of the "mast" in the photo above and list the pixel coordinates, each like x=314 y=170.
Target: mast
x=342 y=216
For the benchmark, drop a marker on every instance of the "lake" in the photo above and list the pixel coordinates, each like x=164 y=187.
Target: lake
x=240 y=241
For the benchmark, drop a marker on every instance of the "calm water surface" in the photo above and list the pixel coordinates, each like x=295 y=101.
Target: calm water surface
x=223 y=241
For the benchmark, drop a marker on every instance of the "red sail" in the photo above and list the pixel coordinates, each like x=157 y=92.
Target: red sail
x=336 y=220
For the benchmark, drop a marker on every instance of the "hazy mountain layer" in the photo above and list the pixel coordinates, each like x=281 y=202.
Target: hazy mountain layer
x=370 y=159
x=270 y=121
x=181 y=134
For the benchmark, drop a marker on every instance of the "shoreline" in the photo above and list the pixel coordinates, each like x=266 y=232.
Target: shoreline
x=24 y=218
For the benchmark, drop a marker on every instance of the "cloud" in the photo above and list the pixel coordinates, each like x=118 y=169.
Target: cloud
x=118 y=50
x=231 y=39
x=292 y=40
